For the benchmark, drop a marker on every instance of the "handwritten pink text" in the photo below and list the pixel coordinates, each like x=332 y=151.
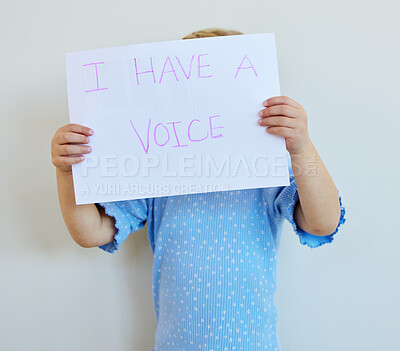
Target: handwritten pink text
x=97 y=76
x=182 y=136
x=169 y=67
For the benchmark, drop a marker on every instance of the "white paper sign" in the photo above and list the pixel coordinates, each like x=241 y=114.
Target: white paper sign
x=176 y=117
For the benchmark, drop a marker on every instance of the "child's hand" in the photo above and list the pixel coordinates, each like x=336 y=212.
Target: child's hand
x=287 y=118
x=64 y=146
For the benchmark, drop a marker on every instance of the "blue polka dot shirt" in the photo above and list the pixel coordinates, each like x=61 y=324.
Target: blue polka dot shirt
x=215 y=264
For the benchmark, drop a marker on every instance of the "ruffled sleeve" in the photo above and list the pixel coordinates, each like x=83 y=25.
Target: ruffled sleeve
x=130 y=216
x=284 y=203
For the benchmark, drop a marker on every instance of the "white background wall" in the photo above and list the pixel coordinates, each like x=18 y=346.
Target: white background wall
x=339 y=59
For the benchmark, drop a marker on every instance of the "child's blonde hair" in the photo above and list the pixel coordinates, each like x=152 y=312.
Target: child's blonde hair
x=211 y=32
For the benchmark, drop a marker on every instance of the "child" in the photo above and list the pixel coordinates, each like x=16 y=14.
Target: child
x=215 y=254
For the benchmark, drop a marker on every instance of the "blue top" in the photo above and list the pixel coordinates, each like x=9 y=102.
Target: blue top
x=215 y=262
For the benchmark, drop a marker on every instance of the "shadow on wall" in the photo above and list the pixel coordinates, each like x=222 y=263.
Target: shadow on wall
x=33 y=178
x=34 y=216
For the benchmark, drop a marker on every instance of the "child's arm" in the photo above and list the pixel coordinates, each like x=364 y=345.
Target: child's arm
x=88 y=225
x=318 y=210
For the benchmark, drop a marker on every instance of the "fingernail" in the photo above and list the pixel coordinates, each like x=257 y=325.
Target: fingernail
x=265 y=103
x=87 y=139
x=90 y=131
x=259 y=121
x=260 y=113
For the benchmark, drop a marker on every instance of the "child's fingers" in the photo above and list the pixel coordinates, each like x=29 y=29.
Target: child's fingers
x=77 y=128
x=62 y=161
x=278 y=100
x=70 y=149
x=277 y=121
x=70 y=137
x=282 y=131
x=280 y=110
